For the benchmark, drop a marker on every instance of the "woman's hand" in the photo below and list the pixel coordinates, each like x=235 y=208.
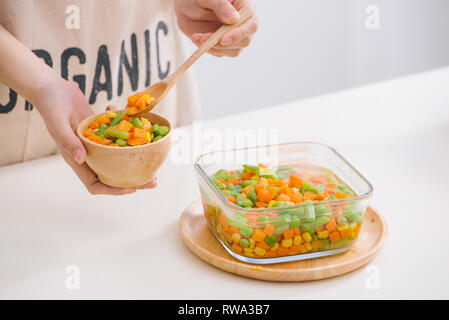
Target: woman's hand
x=63 y=107
x=199 y=19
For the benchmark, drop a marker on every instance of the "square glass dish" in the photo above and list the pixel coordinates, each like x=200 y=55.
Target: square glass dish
x=289 y=231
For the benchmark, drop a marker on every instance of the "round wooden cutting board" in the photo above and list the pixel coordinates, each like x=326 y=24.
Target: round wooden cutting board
x=202 y=242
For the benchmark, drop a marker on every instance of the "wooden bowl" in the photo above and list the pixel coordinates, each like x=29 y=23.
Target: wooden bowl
x=126 y=167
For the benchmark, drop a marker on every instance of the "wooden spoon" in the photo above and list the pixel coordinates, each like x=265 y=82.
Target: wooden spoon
x=161 y=88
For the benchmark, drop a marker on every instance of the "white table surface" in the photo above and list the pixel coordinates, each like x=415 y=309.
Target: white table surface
x=395 y=132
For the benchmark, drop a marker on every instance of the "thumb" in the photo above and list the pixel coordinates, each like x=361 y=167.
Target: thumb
x=69 y=142
x=223 y=9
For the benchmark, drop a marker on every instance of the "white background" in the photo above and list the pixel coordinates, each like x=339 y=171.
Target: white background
x=307 y=48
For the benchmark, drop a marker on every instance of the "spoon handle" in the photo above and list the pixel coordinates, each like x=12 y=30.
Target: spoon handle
x=245 y=13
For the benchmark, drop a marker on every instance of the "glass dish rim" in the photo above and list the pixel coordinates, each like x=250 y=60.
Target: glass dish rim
x=233 y=206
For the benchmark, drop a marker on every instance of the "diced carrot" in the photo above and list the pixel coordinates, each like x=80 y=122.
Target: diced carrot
x=270 y=254
x=297 y=197
x=88 y=132
x=357 y=229
x=334 y=236
x=322 y=196
x=331 y=185
x=133 y=99
x=147 y=126
x=295 y=182
x=331 y=225
x=137 y=141
x=320 y=179
x=263 y=165
x=236 y=247
x=288 y=234
x=234 y=181
x=296 y=231
x=266 y=195
x=247 y=175
x=94 y=125
x=316 y=244
x=132 y=110
x=139 y=133
x=262 y=244
x=124 y=126
x=103 y=119
x=113 y=145
x=295 y=249
x=345 y=233
x=310 y=195
x=269 y=229
x=282 y=251
x=258 y=236
x=340 y=195
x=231 y=198
x=260 y=204
x=126 y=117
x=283 y=197
x=320 y=228
x=99 y=140
x=278 y=183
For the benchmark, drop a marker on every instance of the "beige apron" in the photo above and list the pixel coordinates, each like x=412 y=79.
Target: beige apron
x=110 y=48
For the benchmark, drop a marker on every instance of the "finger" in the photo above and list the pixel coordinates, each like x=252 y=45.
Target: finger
x=239 y=34
x=199 y=38
x=223 y=9
x=151 y=185
x=90 y=180
x=225 y=52
x=111 y=108
x=67 y=140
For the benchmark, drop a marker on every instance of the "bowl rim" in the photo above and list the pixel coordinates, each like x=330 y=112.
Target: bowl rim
x=85 y=140
x=233 y=206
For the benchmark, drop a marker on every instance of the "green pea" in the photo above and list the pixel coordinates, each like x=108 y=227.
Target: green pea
x=231 y=187
x=103 y=127
x=270 y=240
x=252 y=195
x=246 y=231
x=163 y=130
x=155 y=128
x=244 y=243
x=227 y=192
x=117 y=134
x=118 y=118
x=136 y=122
x=246 y=203
x=121 y=142
x=295 y=223
x=157 y=138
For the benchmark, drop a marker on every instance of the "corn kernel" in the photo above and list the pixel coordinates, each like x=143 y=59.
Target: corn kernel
x=353 y=225
x=252 y=243
x=248 y=250
x=260 y=251
x=297 y=240
x=342 y=227
x=308 y=246
x=148 y=136
x=270 y=204
x=302 y=248
x=236 y=237
x=323 y=234
x=144 y=121
x=152 y=136
x=290 y=203
x=112 y=114
x=307 y=236
x=275 y=247
x=287 y=243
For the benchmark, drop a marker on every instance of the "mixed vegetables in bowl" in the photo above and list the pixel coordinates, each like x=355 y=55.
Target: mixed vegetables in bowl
x=265 y=214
